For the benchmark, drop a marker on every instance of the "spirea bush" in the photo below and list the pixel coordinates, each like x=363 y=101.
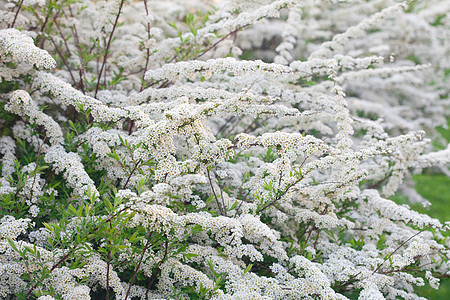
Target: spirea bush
x=247 y=150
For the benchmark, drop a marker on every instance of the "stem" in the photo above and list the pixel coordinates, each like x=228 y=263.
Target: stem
x=107 y=274
x=306 y=230
x=63 y=59
x=108 y=45
x=15 y=16
x=131 y=173
x=47 y=17
x=51 y=270
x=150 y=284
x=401 y=245
x=37 y=166
x=279 y=196
x=346 y=282
x=139 y=265
x=214 y=192
x=309 y=234
x=80 y=52
x=317 y=238
x=62 y=36
x=148 y=50
x=223 y=199
x=219 y=41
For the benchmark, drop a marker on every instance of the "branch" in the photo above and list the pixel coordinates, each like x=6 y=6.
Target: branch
x=108 y=45
x=15 y=16
x=147 y=245
x=401 y=245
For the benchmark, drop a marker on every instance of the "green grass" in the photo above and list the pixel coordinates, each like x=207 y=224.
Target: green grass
x=445 y=133
x=435 y=188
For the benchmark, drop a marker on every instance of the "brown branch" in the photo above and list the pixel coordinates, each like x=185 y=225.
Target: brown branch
x=401 y=245
x=108 y=263
x=80 y=52
x=47 y=17
x=51 y=270
x=37 y=166
x=147 y=245
x=62 y=36
x=15 y=16
x=153 y=278
x=131 y=173
x=277 y=198
x=108 y=45
x=63 y=59
x=219 y=41
x=347 y=282
x=148 y=50
x=214 y=192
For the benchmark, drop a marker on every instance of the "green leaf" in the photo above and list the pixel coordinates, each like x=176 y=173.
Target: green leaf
x=12 y=244
x=248 y=268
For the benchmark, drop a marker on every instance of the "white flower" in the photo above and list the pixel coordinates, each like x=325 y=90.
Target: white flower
x=21 y=48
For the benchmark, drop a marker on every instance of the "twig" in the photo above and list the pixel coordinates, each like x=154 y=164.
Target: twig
x=131 y=173
x=153 y=278
x=219 y=41
x=15 y=16
x=279 y=196
x=214 y=192
x=148 y=50
x=147 y=245
x=107 y=273
x=108 y=45
x=51 y=270
x=63 y=59
x=401 y=245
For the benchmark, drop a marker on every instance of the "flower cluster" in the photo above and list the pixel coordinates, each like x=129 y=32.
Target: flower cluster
x=253 y=149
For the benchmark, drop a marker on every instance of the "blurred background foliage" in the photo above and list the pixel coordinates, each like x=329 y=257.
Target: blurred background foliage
x=434 y=187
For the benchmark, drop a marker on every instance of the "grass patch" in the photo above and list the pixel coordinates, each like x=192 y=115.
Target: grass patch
x=436 y=189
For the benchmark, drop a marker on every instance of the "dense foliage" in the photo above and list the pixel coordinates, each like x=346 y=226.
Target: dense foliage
x=248 y=150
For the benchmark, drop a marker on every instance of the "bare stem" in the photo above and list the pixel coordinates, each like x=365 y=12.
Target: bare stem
x=63 y=59
x=51 y=270
x=147 y=245
x=15 y=16
x=153 y=278
x=108 y=263
x=214 y=192
x=108 y=45
x=219 y=41
x=401 y=245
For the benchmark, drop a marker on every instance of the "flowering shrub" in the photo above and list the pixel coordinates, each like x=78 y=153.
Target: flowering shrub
x=177 y=150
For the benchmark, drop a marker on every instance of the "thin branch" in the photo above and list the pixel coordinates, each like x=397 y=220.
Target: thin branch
x=108 y=45
x=80 y=52
x=63 y=59
x=346 y=282
x=131 y=173
x=51 y=270
x=37 y=166
x=108 y=263
x=15 y=16
x=401 y=245
x=219 y=41
x=214 y=192
x=277 y=198
x=147 y=58
x=153 y=278
x=147 y=245
x=47 y=17
x=62 y=36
